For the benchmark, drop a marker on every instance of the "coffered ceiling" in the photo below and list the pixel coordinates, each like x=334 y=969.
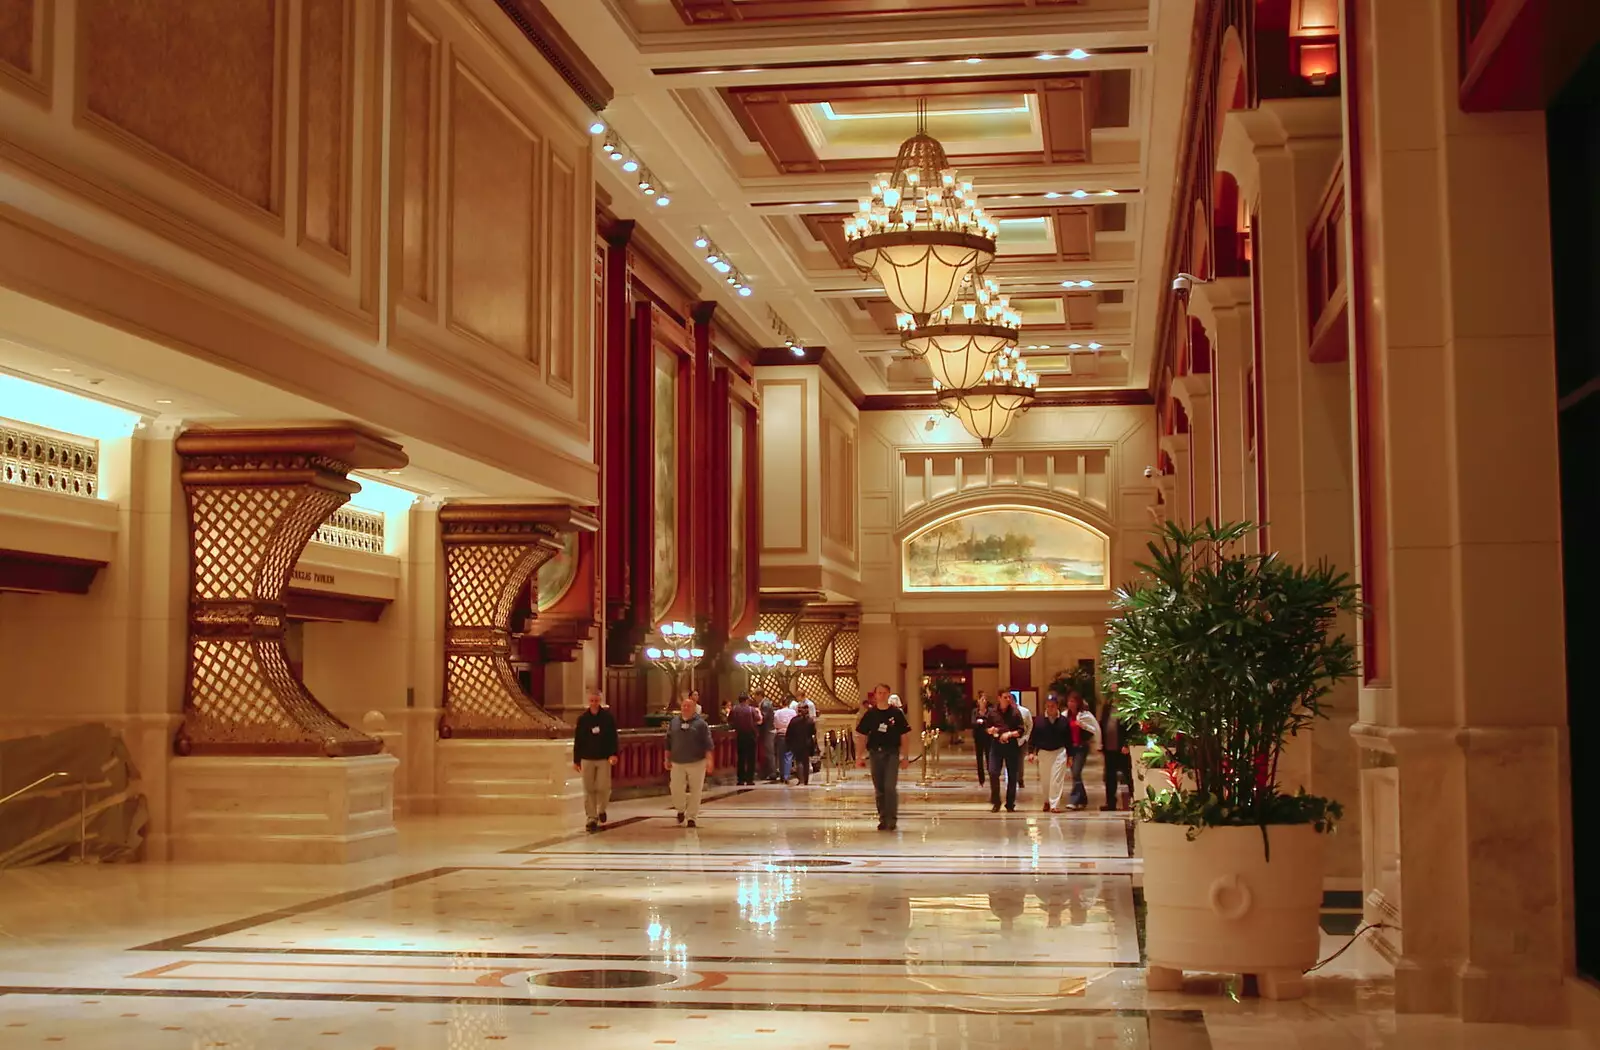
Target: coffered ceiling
x=764 y=118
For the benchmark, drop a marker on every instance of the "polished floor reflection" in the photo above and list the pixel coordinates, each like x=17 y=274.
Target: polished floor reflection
x=785 y=920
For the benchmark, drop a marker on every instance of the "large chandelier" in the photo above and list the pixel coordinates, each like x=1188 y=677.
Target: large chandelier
x=960 y=342
x=1024 y=641
x=921 y=228
x=1006 y=390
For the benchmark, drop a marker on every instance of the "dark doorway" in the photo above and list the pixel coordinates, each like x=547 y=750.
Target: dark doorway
x=1574 y=148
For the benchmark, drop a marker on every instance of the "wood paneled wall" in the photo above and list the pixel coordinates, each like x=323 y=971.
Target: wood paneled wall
x=653 y=317
x=250 y=135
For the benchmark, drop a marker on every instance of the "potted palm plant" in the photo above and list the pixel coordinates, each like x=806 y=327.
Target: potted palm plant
x=1227 y=655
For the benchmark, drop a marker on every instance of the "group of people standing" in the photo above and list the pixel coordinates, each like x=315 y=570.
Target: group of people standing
x=1059 y=740
x=775 y=741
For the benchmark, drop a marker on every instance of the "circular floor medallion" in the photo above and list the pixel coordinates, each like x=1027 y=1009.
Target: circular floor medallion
x=604 y=979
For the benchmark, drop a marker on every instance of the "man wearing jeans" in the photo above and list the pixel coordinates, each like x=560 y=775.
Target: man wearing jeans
x=746 y=723
x=594 y=752
x=882 y=737
x=1006 y=733
x=690 y=757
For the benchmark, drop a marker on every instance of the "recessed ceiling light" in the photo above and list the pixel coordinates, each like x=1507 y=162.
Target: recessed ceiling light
x=391 y=472
x=597 y=128
x=1094 y=346
x=973 y=61
x=163 y=400
x=1052 y=195
x=60 y=369
x=1045 y=56
x=1077 y=54
x=1080 y=194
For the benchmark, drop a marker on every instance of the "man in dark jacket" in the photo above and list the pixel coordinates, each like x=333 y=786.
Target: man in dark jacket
x=594 y=752
x=1006 y=730
x=1114 y=747
x=769 y=740
x=883 y=741
x=691 y=754
x=746 y=723
x=802 y=740
x=981 y=713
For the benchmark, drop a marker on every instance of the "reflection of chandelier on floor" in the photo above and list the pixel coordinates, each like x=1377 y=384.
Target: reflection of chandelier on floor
x=960 y=342
x=1024 y=642
x=921 y=229
x=1006 y=390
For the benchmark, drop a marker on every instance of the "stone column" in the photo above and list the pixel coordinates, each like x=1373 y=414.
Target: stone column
x=911 y=692
x=1223 y=308
x=1465 y=778
x=1194 y=393
x=269 y=774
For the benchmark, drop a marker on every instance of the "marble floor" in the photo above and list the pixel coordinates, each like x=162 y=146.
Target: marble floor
x=785 y=920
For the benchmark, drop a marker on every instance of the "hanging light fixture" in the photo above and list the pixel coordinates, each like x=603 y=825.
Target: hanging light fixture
x=1024 y=642
x=921 y=228
x=987 y=410
x=962 y=341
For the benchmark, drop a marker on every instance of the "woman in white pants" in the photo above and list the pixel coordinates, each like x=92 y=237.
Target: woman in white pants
x=1049 y=741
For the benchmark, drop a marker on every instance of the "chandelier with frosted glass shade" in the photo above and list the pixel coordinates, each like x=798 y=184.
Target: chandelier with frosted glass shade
x=962 y=341
x=1023 y=640
x=988 y=409
x=921 y=228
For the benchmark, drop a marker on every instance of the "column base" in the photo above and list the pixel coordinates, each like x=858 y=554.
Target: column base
x=507 y=777
x=282 y=810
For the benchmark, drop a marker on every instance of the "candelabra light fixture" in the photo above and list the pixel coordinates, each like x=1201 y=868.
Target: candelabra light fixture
x=772 y=656
x=627 y=158
x=677 y=654
x=960 y=342
x=718 y=260
x=988 y=409
x=1024 y=639
x=920 y=228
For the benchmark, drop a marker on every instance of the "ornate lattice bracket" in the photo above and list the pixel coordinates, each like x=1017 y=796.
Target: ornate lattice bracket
x=255 y=499
x=842 y=666
x=490 y=551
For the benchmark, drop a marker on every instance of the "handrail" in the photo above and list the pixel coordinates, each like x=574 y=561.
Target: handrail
x=83 y=808
x=30 y=787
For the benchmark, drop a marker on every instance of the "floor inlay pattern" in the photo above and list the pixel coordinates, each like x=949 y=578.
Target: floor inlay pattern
x=784 y=920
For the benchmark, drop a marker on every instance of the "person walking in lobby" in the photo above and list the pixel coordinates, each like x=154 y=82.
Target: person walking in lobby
x=1006 y=733
x=594 y=752
x=802 y=736
x=1048 y=741
x=769 y=738
x=981 y=712
x=1084 y=729
x=1114 y=749
x=780 y=723
x=690 y=758
x=882 y=739
x=746 y=723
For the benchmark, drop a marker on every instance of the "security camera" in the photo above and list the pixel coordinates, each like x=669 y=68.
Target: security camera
x=1183 y=284
x=1149 y=472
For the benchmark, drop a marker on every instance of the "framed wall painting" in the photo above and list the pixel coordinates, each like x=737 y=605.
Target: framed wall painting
x=1005 y=548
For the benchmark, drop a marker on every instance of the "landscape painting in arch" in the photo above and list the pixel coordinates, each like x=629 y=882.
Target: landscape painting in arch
x=1006 y=549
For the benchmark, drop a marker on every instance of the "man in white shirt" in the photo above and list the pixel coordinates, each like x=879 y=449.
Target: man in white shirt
x=780 y=721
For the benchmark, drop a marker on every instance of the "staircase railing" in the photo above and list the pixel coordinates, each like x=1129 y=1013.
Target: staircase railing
x=83 y=807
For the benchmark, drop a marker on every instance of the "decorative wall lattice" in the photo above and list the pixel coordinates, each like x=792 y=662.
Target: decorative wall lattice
x=815 y=638
x=490 y=553
x=255 y=499
x=38 y=459
x=842 y=666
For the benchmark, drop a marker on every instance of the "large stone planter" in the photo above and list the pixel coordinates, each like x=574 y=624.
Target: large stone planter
x=1218 y=904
